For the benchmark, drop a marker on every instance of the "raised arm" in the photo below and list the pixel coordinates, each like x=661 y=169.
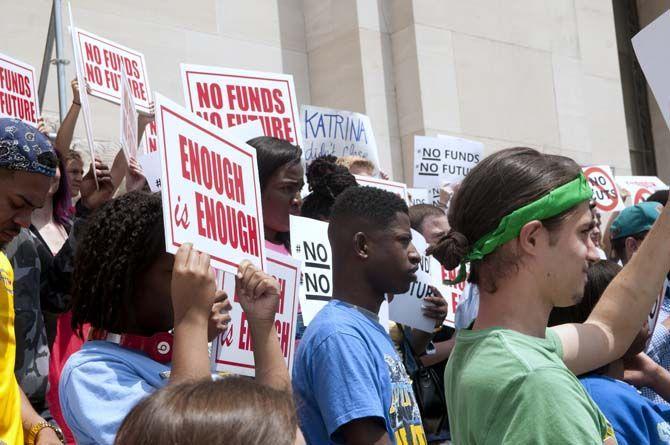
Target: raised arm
x=623 y=307
x=66 y=130
x=259 y=296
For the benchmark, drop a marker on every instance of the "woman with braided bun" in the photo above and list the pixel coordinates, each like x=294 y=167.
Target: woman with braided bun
x=326 y=181
x=522 y=219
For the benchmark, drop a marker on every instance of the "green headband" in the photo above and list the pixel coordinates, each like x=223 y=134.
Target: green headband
x=554 y=203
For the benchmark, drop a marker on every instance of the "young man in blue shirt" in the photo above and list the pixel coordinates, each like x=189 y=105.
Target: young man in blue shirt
x=349 y=383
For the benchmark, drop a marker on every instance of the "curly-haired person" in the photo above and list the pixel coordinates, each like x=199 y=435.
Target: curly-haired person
x=133 y=293
x=326 y=181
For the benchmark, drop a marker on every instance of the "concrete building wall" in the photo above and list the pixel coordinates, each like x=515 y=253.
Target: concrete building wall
x=540 y=73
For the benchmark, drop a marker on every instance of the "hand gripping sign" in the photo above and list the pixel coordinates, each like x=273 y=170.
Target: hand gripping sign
x=233 y=350
x=18 y=92
x=605 y=192
x=398 y=188
x=210 y=189
x=228 y=97
x=104 y=60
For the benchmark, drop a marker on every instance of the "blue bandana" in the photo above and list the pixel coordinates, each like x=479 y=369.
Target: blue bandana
x=24 y=148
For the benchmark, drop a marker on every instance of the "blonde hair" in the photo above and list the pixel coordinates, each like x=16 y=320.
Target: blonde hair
x=356 y=162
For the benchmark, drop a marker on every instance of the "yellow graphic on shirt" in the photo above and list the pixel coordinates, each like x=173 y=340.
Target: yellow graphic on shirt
x=10 y=403
x=404 y=412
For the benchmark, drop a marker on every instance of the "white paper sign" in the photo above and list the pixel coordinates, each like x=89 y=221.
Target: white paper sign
x=228 y=97
x=605 y=191
x=420 y=196
x=128 y=120
x=639 y=188
x=83 y=94
x=338 y=133
x=104 y=60
x=233 y=350
x=651 y=49
x=443 y=159
x=18 y=91
x=309 y=243
x=211 y=194
x=406 y=308
x=149 y=141
x=151 y=169
x=398 y=188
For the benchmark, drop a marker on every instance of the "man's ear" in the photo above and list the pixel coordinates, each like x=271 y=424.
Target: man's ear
x=361 y=245
x=632 y=244
x=530 y=235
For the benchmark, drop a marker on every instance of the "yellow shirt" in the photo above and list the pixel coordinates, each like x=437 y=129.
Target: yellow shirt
x=11 y=431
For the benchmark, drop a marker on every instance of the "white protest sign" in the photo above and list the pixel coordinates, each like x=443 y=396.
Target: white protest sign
x=443 y=159
x=651 y=49
x=233 y=350
x=151 y=164
x=419 y=196
x=104 y=60
x=338 y=133
x=18 y=90
x=639 y=188
x=128 y=120
x=228 y=97
x=398 y=188
x=151 y=169
x=452 y=293
x=83 y=94
x=210 y=189
x=309 y=243
x=605 y=192
x=406 y=308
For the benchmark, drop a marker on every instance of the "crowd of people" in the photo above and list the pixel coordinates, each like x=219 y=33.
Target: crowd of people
x=104 y=337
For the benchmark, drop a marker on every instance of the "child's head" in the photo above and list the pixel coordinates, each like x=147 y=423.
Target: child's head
x=122 y=274
x=235 y=411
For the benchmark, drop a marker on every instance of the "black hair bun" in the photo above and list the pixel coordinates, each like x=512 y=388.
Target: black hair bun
x=450 y=249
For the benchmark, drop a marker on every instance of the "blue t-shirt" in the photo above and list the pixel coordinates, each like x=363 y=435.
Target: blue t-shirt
x=99 y=386
x=346 y=369
x=636 y=420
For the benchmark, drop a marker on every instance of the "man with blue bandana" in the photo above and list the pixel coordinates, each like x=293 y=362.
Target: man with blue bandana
x=27 y=164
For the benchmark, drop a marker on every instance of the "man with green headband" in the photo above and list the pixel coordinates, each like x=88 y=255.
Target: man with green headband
x=522 y=220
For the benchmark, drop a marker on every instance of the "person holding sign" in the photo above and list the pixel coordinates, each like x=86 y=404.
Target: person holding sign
x=237 y=409
x=349 y=383
x=132 y=293
x=522 y=220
